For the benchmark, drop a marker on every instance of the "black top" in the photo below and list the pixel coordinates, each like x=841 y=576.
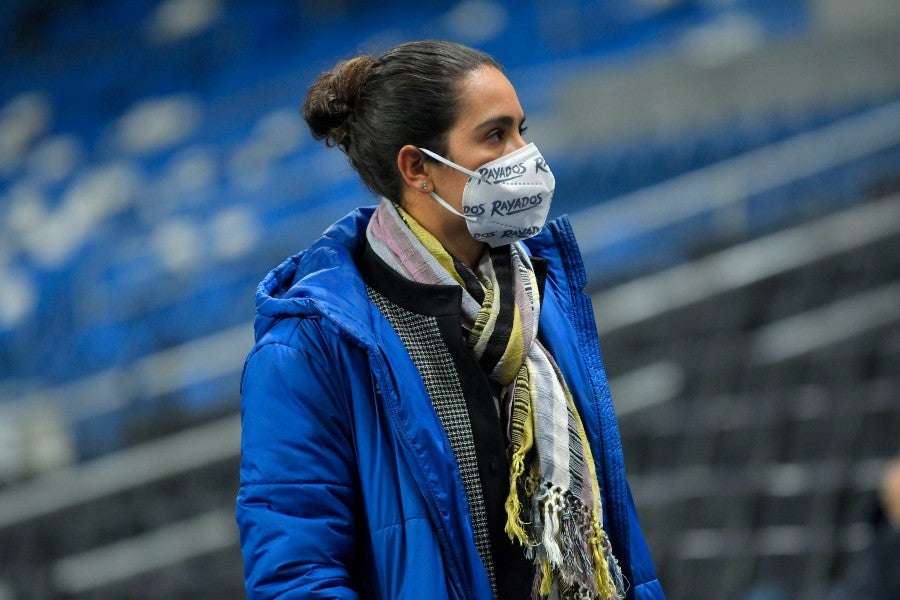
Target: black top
x=513 y=572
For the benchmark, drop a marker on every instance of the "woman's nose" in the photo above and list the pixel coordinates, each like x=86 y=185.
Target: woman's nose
x=516 y=142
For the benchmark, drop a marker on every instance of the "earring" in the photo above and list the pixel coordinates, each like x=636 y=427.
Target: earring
x=424 y=186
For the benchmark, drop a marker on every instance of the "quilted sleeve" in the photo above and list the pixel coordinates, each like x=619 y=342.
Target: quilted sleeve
x=298 y=483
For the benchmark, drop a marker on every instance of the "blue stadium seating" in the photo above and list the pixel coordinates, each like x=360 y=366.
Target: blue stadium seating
x=712 y=469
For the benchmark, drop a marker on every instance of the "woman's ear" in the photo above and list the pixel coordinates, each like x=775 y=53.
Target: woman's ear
x=416 y=172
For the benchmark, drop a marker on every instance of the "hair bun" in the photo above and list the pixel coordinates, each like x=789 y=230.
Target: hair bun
x=332 y=99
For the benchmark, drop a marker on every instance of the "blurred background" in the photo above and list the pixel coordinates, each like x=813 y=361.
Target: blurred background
x=731 y=168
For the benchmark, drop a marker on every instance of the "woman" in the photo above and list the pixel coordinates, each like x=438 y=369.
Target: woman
x=425 y=412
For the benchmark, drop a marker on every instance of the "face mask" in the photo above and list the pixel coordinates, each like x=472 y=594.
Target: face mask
x=507 y=199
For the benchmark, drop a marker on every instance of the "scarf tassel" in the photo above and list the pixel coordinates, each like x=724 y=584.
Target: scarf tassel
x=609 y=576
x=572 y=547
x=515 y=528
x=522 y=434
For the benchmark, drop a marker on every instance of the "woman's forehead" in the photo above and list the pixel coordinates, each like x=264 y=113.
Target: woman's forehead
x=487 y=94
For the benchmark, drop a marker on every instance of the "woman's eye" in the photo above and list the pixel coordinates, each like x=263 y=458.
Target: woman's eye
x=495 y=135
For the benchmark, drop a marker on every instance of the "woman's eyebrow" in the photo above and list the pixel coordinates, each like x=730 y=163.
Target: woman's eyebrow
x=502 y=120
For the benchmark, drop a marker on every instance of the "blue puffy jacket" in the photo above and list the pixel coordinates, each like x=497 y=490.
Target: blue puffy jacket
x=349 y=487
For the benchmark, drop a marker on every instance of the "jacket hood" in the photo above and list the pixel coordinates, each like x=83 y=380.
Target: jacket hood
x=322 y=279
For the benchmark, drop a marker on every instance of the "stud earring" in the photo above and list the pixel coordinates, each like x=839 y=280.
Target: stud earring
x=424 y=186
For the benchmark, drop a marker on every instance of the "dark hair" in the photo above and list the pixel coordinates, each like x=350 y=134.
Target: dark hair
x=370 y=108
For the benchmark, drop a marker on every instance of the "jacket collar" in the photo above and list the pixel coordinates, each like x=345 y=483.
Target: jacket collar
x=325 y=278
x=420 y=298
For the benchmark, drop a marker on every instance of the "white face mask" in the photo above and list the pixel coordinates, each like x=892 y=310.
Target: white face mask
x=507 y=199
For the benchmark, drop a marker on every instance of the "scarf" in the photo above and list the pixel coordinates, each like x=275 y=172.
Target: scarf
x=553 y=508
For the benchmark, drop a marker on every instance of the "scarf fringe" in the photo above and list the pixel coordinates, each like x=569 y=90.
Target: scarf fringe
x=522 y=434
x=610 y=580
x=570 y=546
x=515 y=528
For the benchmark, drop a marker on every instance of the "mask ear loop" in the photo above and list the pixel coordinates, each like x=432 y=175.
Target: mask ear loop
x=453 y=165
x=446 y=205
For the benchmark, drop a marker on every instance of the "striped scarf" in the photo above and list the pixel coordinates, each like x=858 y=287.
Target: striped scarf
x=553 y=507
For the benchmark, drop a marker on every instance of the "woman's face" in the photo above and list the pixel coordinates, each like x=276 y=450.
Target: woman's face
x=490 y=125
